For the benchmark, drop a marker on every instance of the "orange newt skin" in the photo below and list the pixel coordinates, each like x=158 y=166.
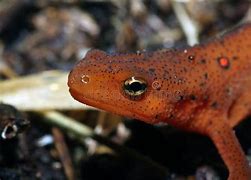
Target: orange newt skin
x=204 y=89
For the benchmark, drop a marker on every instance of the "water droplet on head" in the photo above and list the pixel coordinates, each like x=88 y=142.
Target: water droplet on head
x=185 y=51
x=85 y=79
x=138 y=52
x=178 y=95
x=180 y=81
x=156 y=85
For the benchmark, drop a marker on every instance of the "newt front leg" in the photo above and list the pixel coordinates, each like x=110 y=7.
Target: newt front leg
x=230 y=150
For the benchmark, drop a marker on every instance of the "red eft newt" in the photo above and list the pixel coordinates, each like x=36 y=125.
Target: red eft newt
x=205 y=89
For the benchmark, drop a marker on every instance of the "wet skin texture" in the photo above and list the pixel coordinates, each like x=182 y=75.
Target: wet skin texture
x=204 y=89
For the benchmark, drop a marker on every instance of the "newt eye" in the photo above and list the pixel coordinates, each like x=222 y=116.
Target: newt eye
x=135 y=87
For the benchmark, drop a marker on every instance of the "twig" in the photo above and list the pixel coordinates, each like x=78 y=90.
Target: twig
x=63 y=153
x=4 y=68
x=188 y=25
x=7 y=71
x=67 y=123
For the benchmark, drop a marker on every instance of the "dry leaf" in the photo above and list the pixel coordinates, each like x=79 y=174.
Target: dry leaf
x=43 y=91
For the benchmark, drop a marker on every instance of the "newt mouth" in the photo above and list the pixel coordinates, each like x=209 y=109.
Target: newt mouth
x=116 y=109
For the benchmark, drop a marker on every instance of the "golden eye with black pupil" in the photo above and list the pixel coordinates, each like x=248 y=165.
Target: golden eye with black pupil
x=135 y=88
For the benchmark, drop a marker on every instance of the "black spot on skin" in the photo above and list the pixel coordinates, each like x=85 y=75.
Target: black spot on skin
x=152 y=70
x=215 y=105
x=210 y=122
x=203 y=61
x=206 y=75
x=171 y=116
x=109 y=68
x=235 y=58
x=228 y=91
x=193 y=97
x=202 y=84
x=157 y=116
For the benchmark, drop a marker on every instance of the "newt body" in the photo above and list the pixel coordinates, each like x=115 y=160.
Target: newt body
x=204 y=89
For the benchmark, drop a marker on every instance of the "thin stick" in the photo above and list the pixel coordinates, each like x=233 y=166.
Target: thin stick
x=188 y=25
x=63 y=153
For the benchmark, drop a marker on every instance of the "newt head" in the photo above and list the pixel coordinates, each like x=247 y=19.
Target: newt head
x=124 y=84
